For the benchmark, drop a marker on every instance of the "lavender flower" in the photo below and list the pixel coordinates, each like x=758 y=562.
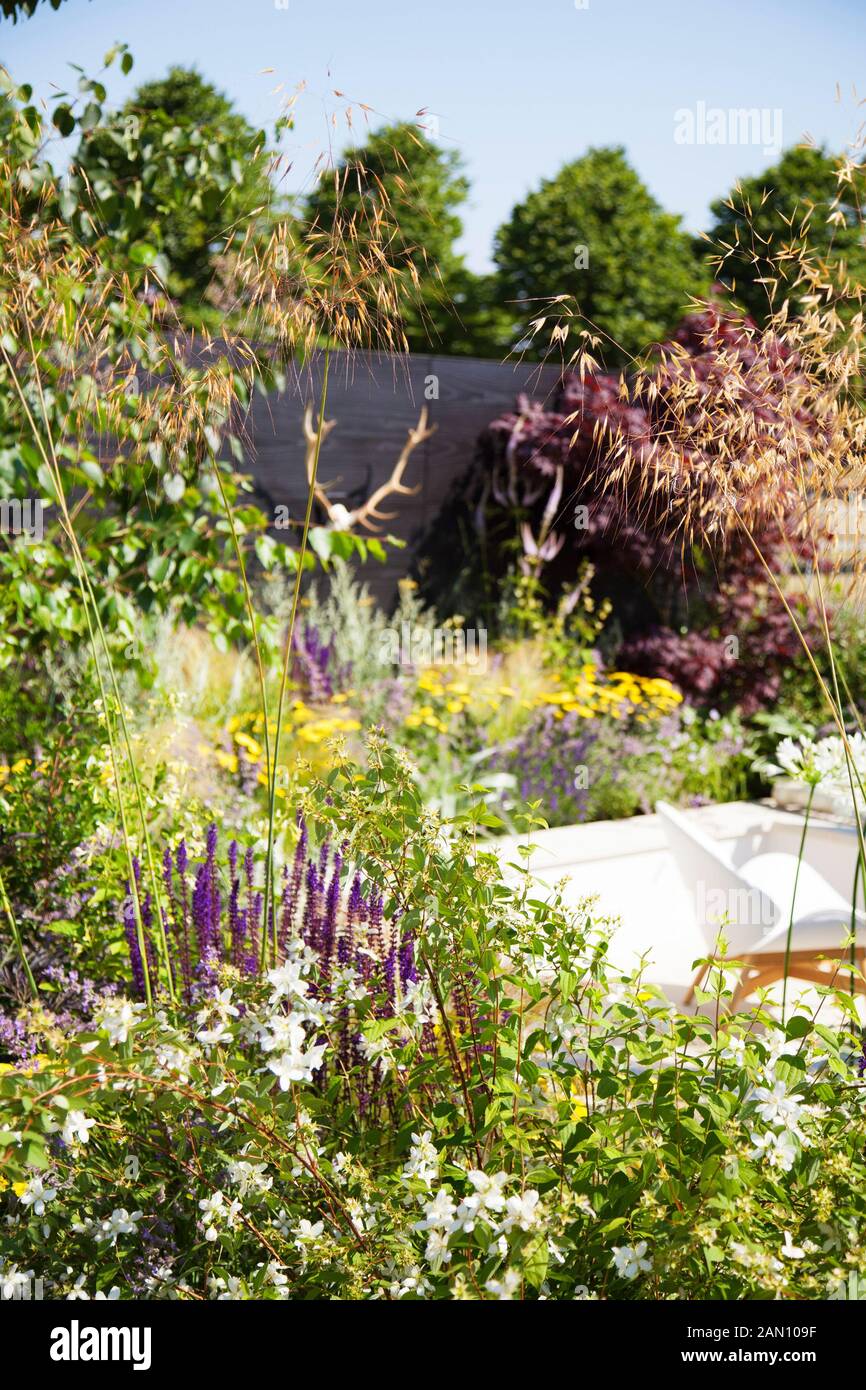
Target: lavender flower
x=360 y=954
x=312 y=662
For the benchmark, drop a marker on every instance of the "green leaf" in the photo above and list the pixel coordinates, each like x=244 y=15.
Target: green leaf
x=92 y=472
x=266 y=551
x=45 y=479
x=34 y=1153
x=142 y=253
x=158 y=567
x=567 y=983
x=540 y=1177
x=63 y=119
x=799 y=1026
x=321 y=541
x=91 y=116
x=535 y=1262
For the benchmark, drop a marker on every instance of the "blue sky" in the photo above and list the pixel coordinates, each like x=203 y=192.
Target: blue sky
x=517 y=88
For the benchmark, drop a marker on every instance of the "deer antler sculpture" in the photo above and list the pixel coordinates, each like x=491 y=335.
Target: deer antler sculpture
x=340 y=518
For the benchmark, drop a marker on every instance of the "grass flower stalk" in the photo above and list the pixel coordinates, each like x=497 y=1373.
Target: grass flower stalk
x=251 y=614
x=270 y=887
x=92 y=616
x=16 y=936
x=790 y=931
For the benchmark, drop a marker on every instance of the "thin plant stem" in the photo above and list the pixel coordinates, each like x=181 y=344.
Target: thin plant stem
x=16 y=937
x=270 y=886
x=251 y=613
x=139 y=795
x=794 y=896
x=833 y=705
x=121 y=807
x=88 y=600
x=858 y=877
x=84 y=581
x=850 y=765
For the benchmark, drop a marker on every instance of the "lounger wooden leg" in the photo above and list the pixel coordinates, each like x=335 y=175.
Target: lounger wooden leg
x=764 y=969
x=752 y=978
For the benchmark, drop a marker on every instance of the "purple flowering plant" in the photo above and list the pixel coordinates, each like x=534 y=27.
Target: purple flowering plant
x=352 y=962
x=577 y=770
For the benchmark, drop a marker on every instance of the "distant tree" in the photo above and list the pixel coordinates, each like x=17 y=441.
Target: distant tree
x=481 y=324
x=595 y=233
x=176 y=169
x=11 y=9
x=800 y=203
x=402 y=188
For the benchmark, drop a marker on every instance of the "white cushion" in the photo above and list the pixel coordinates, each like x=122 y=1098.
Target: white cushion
x=753 y=900
x=817 y=931
x=776 y=874
x=822 y=917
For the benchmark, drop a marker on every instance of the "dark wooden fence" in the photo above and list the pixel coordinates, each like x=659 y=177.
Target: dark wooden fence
x=374 y=401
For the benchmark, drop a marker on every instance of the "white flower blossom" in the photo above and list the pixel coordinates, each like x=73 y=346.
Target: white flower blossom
x=216 y=1213
x=487 y=1197
x=734 y=1049
x=275 y=1275
x=212 y=1037
x=423 y=1161
x=13 y=1281
x=776 y=1107
x=212 y=1208
x=37 y=1195
x=410 y=1281
x=307 y=1233
x=283 y=1222
x=295 y=1063
x=231 y=1289
x=521 y=1211
x=339 y=1163
x=278 y=1032
x=419 y=1001
x=222 y=1005
x=379 y=1051
x=120 y=1223
x=506 y=1287
x=437 y=1253
x=287 y=980
x=76 y=1128
x=791 y=1251
x=778 y=1149
x=117 y=1017
x=439 y=1214
x=174 y=1059
x=630 y=1260
x=350 y=984
x=250 y=1177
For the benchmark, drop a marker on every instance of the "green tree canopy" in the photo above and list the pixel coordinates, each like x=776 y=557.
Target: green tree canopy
x=415 y=188
x=176 y=169
x=798 y=203
x=595 y=233
x=11 y=9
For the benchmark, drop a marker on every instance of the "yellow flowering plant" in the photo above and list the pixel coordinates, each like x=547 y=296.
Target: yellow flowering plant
x=456 y=702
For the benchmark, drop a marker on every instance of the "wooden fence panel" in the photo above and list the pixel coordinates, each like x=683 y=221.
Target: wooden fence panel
x=375 y=400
